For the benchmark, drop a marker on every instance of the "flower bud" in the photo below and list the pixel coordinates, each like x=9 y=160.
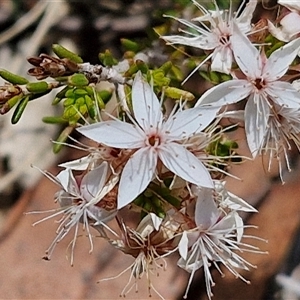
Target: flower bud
x=62 y=52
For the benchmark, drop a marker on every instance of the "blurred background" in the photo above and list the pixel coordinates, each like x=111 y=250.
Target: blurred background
x=88 y=27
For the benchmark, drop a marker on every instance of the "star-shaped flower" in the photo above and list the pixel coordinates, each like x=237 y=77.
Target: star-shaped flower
x=80 y=201
x=213 y=240
x=217 y=36
x=261 y=85
x=153 y=138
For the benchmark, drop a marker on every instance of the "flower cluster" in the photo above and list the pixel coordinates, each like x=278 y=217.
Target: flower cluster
x=161 y=155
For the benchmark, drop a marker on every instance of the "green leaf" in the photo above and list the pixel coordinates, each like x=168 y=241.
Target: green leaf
x=12 y=78
x=19 y=110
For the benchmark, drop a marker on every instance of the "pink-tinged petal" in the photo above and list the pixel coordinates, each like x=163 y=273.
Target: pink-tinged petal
x=244 y=19
x=228 y=92
x=136 y=175
x=222 y=60
x=184 y=164
x=93 y=182
x=284 y=94
x=188 y=122
x=246 y=55
x=256 y=118
x=68 y=182
x=146 y=106
x=206 y=211
x=280 y=60
x=116 y=134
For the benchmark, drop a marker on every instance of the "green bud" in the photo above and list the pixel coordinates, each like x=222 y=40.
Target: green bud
x=105 y=95
x=62 y=52
x=177 y=94
x=177 y=72
x=166 y=67
x=60 y=95
x=132 y=70
x=107 y=59
x=130 y=45
x=78 y=80
x=80 y=92
x=142 y=66
x=159 y=78
x=69 y=101
x=71 y=113
x=89 y=90
x=62 y=138
x=12 y=78
x=139 y=200
x=70 y=93
x=83 y=109
x=214 y=77
x=80 y=101
x=90 y=106
x=19 y=110
x=37 y=87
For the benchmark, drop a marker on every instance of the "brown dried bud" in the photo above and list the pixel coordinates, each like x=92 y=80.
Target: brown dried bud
x=8 y=91
x=46 y=65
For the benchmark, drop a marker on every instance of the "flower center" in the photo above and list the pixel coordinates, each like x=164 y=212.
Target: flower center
x=259 y=83
x=224 y=39
x=154 y=140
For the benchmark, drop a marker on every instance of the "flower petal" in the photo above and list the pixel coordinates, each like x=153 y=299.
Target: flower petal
x=93 y=182
x=136 y=175
x=244 y=19
x=184 y=164
x=146 y=106
x=114 y=134
x=284 y=94
x=246 y=55
x=204 y=39
x=280 y=60
x=290 y=4
x=228 y=92
x=206 y=211
x=183 y=245
x=187 y=122
x=68 y=182
x=256 y=119
x=278 y=32
x=222 y=60
x=202 y=42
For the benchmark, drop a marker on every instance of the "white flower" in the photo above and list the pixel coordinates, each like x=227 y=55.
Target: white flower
x=282 y=131
x=152 y=138
x=153 y=240
x=80 y=202
x=290 y=23
x=228 y=200
x=217 y=36
x=261 y=85
x=213 y=241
